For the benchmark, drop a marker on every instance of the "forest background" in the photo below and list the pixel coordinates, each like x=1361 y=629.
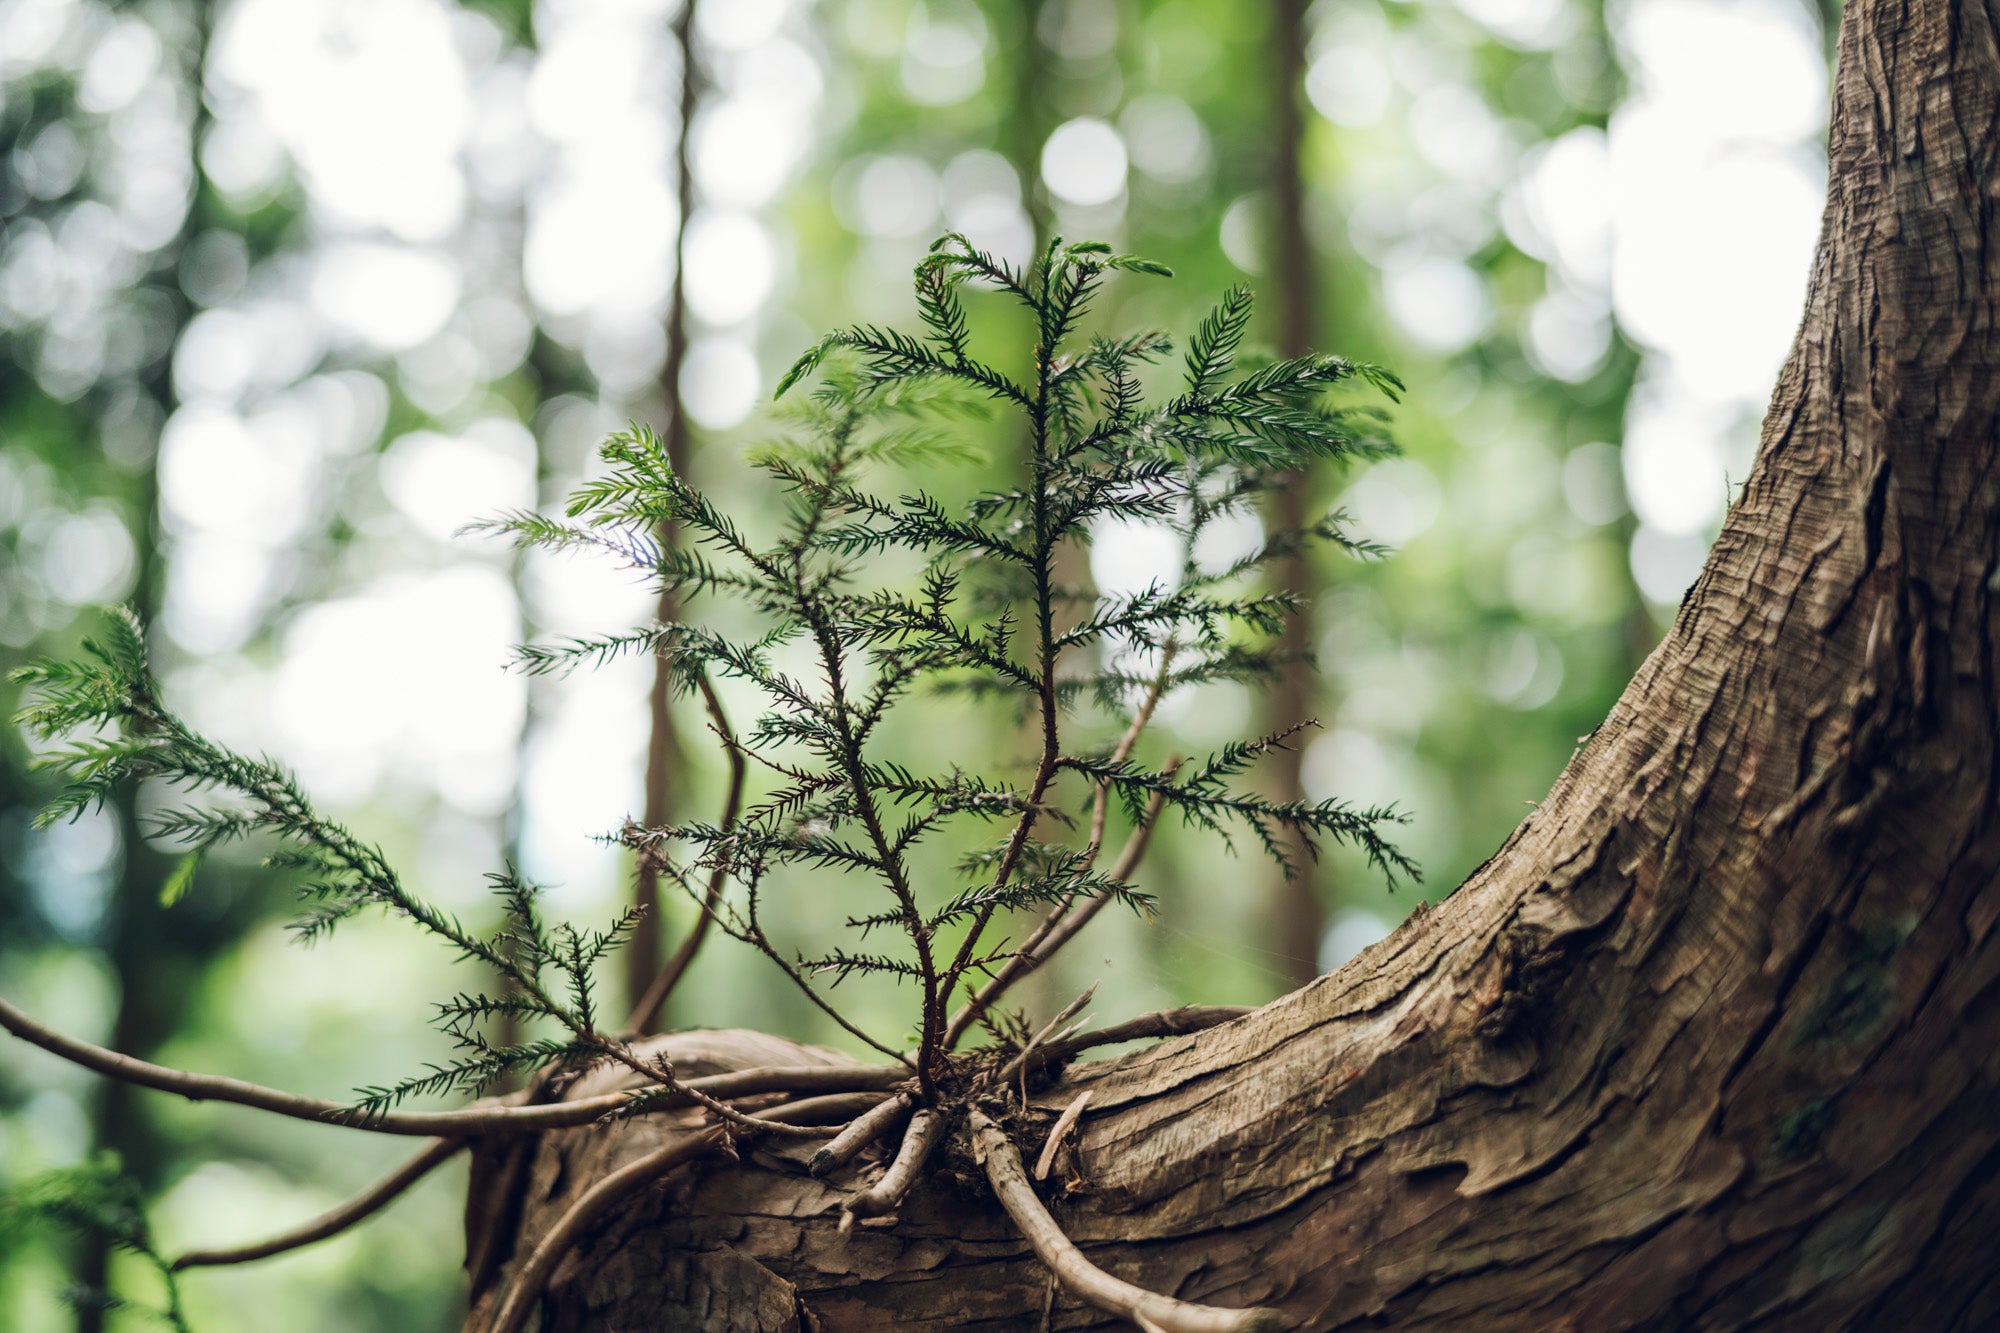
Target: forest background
x=291 y=290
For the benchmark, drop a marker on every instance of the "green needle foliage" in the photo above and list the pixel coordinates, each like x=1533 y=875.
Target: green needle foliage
x=834 y=653
x=127 y=735
x=984 y=614
x=94 y=1198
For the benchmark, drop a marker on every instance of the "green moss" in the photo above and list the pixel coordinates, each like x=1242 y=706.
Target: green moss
x=1861 y=998
x=1800 y=1133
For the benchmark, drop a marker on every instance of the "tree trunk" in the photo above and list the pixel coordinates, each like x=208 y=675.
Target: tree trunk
x=1296 y=696
x=664 y=754
x=1709 y=1043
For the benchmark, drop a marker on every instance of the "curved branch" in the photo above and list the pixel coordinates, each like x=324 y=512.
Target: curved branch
x=1078 y=1275
x=754 y=935
x=1100 y=806
x=1161 y=1023
x=357 y=1209
x=831 y=1114
x=647 y=1011
x=661 y=1071
x=497 y=1116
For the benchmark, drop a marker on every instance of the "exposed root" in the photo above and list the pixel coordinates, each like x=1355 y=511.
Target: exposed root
x=921 y=1139
x=857 y=1137
x=339 y=1219
x=1058 y=1132
x=1078 y=1275
x=827 y=1116
x=586 y=1212
x=602 y=1197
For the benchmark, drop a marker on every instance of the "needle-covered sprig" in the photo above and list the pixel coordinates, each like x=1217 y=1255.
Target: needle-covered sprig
x=842 y=642
x=94 y=1198
x=981 y=618
x=108 y=704
x=972 y=608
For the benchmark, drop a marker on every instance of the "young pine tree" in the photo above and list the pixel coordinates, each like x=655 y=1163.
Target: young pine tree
x=864 y=603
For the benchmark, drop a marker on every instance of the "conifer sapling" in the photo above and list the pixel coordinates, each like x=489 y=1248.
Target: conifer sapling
x=819 y=802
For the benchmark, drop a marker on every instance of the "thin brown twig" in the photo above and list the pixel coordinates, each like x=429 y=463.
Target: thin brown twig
x=751 y=932
x=920 y=1140
x=332 y=1223
x=826 y=1006
x=1019 y=1064
x=1178 y=1022
x=1058 y=927
x=647 y=1011
x=1031 y=955
x=1083 y=1279
x=1100 y=806
x=827 y=1116
x=1045 y=771
x=661 y=1072
x=493 y=1116
x=796 y=1078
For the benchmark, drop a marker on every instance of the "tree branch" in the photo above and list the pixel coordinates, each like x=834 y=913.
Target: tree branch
x=661 y=1071
x=756 y=937
x=1056 y=929
x=647 y=1010
x=1100 y=807
x=1161 y=1023
x=357 y=1209
x=497 y=1116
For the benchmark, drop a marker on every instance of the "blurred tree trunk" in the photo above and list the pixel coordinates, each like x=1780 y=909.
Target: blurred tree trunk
x=664 y=755
x=1297 y=695
x=1025 y=127
x=149 y=958
x=1710 y=1042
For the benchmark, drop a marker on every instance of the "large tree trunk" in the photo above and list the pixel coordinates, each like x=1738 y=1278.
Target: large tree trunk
x=1711 y=1042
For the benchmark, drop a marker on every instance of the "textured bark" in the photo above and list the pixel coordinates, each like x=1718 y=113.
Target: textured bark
x=1709 y=1043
